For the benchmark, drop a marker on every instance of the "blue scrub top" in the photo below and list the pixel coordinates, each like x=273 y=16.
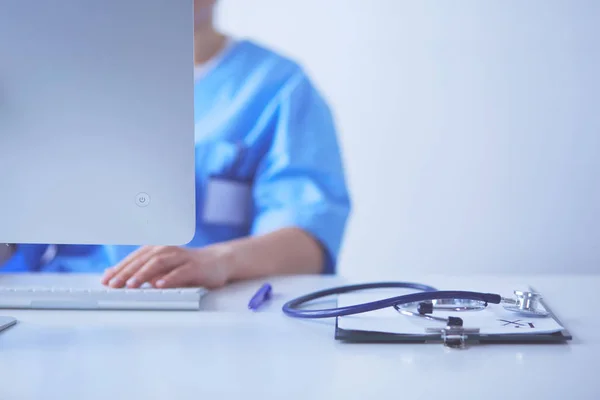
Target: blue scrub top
x=267 y=103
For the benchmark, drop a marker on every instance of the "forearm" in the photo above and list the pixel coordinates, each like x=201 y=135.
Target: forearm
x=283 y=252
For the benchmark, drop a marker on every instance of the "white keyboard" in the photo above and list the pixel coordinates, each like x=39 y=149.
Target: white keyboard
x=100 y=299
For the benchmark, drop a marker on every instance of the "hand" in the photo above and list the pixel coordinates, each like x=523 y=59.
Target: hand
x=169 y=267
x=6 y=252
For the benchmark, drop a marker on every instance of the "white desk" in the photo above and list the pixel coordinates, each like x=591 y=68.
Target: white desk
x=228 y=352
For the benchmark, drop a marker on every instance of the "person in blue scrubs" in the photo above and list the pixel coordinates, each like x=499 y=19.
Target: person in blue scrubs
x=271 y=194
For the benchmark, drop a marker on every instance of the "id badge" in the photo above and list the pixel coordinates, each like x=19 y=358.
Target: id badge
x=227 y=201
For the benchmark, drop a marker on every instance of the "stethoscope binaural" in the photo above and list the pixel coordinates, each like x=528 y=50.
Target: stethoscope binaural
x=427 y=300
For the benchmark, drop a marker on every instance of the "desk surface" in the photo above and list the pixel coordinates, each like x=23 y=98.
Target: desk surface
x=229 y=352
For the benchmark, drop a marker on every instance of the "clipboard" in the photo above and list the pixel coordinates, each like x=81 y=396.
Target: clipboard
x=455 y=336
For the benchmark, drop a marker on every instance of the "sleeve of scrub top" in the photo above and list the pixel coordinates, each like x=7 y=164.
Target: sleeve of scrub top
x=300 y=181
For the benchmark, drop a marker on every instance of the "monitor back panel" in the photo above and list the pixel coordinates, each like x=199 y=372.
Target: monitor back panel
x=96 y=122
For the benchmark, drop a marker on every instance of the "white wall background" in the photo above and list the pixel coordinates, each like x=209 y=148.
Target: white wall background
x=471 y=129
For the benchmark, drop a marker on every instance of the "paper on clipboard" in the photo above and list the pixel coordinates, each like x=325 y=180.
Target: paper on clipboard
x=493 y=320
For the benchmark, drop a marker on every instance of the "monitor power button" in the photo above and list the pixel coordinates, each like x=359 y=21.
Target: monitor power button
x=142 y=199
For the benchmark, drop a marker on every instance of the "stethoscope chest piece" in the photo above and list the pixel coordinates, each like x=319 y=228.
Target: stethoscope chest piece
x=526 y=303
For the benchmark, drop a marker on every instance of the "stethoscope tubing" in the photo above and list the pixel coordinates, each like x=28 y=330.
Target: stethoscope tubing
x=427 y=293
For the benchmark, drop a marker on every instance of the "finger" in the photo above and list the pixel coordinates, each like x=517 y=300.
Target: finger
x=154 y=280
x=185 y=275
x=158 y=265
x=120 y=278
x=110 y=273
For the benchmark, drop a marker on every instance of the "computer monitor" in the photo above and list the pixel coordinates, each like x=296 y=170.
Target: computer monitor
x=97 y=122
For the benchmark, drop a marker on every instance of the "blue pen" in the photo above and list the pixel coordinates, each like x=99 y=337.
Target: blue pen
x=260 y=297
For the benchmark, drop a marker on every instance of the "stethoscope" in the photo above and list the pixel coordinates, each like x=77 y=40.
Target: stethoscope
x=421 y=304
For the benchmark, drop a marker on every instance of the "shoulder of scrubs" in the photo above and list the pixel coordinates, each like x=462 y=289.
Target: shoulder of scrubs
x=299 y=179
